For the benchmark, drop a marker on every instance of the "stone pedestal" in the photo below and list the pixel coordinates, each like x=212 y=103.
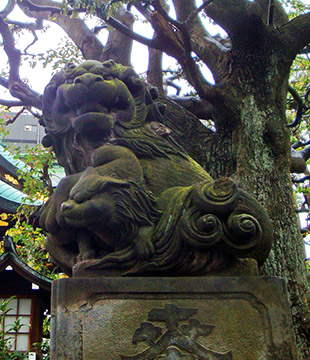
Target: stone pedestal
x=240 y=318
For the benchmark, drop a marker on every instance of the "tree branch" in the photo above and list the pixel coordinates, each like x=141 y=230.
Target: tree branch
x=299 y=160
x=76 y=29
x=231 y=14
x=301 y=180
x=12 y=53
x=193 y=104
x=37 y=25
x=300 y=107
x=28 y=96
x=176 y=44
x=52 y=8
x=15 y=117
x=191 y=17
x=154 y=72
x=35 y=39
x=297 y=33
x=4 y=82
x=8 y=9
x=207 y=48
x=16 y=87
x=279 y=15
x=128 y=32
x=271 y=9
x=119 y=46
x=11 y=103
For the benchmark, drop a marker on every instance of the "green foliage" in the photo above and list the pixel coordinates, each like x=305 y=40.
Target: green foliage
x=37 y=160
x=44 y=346
x=65 y=52
x=295 y=7
x=96 y=7
x=4 y=132
x=5 y=336
x=29 y=242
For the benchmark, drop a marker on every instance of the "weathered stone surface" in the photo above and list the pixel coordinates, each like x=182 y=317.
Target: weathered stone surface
x=133 y=202
x=240 y=318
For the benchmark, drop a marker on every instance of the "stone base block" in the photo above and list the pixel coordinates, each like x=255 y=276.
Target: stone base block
x=240 y=318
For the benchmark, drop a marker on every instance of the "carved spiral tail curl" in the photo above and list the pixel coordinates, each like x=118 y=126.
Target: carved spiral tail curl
x=217 y=197
x=243 y=234
x=223 y=216
x=200 y=231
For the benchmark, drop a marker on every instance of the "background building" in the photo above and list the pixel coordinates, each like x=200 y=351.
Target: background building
x=25 y=130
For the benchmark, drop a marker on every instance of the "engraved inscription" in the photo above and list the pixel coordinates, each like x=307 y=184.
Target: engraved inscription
x=177 y=341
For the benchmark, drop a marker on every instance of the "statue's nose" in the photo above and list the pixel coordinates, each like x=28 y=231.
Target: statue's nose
x=66 y=206
x=88 y=79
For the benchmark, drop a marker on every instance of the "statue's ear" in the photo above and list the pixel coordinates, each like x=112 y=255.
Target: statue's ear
x=90 y=171
x=109 y=182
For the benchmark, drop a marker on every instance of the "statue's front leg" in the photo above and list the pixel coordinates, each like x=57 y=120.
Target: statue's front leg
x=62 y=252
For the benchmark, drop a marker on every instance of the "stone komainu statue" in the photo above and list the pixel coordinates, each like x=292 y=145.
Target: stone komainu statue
x=133 y=202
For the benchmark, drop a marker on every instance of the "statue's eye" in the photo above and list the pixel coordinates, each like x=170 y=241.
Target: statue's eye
x=69 y=81
x=108 y=64
x=71 y=65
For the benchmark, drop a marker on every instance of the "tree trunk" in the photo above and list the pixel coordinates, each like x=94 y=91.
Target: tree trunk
x=253 y=147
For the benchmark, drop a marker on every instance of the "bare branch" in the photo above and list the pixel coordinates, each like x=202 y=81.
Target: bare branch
x=16 y=87
x=53 y=9
x=301 y=180
x=37 y=25
x=128 y=32
x=176 y=44
x=33 y=26
x=271 y=9
x=197 y=11
x=299 y=160
x=300 y=103
x=207 y=48
x=8 y=9
x=15 y=117
x=279 y=15
x=23 y=92
x=4 y=82
x=76 y=29
x=13 y=54
x=33 y=113
x=35 y=39
x=301 y=108
x=11 y=103
x=299 y=144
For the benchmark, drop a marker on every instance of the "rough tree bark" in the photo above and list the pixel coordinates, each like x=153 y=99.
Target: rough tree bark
x=255 y=73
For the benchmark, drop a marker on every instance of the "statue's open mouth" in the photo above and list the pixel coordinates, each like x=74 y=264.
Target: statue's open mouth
x=93 y=117
x=92 y=107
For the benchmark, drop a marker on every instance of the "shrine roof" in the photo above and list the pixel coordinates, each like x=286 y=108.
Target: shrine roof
x=10 y=258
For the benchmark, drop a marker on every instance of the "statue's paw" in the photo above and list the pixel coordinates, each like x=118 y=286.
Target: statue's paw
x=88 y=255
x=144 y=249
x=143 y=246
